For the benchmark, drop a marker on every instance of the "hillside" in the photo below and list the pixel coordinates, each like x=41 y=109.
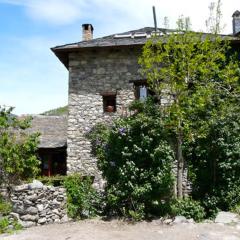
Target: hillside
x=57 y=111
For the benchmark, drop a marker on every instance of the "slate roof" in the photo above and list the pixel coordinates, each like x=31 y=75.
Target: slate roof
x=53 y=130
x=130 y=38
x=236 y=14
x=111 y=40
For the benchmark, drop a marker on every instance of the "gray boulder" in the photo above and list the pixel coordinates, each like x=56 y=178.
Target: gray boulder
x=42 y=220
x=27 y=224
x=179 y=219
x=35 y=185
x=20 y=188
x=32 y=210
x=14 y=215
x=29 y=217
x=40 y=207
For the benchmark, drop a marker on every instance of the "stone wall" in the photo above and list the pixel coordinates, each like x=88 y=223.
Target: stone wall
x=92 y=73
x=36 y=204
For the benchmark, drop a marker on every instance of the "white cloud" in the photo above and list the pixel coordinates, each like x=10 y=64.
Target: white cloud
x=56 y=11
x=117 y=14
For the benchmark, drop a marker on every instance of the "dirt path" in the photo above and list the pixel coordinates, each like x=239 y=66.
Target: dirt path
x=115 y=230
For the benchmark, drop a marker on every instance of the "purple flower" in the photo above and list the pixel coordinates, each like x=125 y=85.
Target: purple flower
x=98 y=142
x=122 y=131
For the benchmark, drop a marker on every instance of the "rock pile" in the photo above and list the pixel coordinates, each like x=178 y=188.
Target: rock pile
x=36 y=204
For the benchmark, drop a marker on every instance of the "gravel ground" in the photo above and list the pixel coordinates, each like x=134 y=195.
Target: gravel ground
x=117 y=230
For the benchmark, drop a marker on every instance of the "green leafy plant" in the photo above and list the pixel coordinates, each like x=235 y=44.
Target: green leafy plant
x=4 y=224
x=18 y=160
x=82 y=199
x=136 y=160
x=215 y=163
x=9 y=226
x=211 y=204
x=5 y=207
x=188 y=208
x=199 y=77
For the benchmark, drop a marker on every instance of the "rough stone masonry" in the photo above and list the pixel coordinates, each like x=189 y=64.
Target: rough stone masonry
x=37 y=204
x=92 y=74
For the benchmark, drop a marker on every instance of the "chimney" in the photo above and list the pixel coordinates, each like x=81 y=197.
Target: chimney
x=236 y=22
x=87 y=32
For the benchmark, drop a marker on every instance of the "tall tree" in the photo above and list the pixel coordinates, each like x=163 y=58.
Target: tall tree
x=197 y=76
x=18 y=159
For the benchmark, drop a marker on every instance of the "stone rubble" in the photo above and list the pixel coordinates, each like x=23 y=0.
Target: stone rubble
x=36 y=204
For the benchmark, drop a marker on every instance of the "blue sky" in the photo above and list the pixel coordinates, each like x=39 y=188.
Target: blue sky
x=32 y=79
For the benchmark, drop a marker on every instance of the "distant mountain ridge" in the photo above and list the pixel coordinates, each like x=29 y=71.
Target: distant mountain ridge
x=56 y=112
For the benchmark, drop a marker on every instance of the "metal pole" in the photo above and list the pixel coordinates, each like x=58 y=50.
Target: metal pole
x=154 y=18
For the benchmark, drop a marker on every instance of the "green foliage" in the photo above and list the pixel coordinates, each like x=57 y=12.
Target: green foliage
x=236 y=209
x=83 y=201
x=232 y=197
x=18 y=160
x=57 y=180
x=4 y=224
x=199 y=77
x=215 y=163
x=57 y=111
x=9 y=226
x=211 y=203
x=5 y=207
x=188 y=208
x=136 y=160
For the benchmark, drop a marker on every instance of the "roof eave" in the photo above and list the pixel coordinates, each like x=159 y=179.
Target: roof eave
x=62 y=56
x=62 y=52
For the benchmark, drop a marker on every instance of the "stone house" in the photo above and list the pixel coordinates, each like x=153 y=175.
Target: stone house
x=52 y=148
x=104 y=77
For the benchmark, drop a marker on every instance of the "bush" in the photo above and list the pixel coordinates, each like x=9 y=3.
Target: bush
x=232 y=197
x=215 y=164
x=236 y=209
x=82 y=199
x=136 y=160
x=18 y=160
x=188 y=208
x=211 y=205
x=5 y=207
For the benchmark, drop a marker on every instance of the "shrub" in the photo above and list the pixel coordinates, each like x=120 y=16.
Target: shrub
x=82 y=199
x=232 y=197
x=136 y=160
x=18 y=159
x=188 y=208
x=236 y=209
x=5 y=207
x=211 y=205
x=215 y=164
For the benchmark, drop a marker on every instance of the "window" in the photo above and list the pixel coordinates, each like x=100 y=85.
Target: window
x=142 y=91
x=109 y=102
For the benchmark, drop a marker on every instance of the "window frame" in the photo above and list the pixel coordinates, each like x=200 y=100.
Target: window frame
x=109 y=100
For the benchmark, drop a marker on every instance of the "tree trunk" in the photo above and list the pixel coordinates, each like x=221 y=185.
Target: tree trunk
x=180 y=165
